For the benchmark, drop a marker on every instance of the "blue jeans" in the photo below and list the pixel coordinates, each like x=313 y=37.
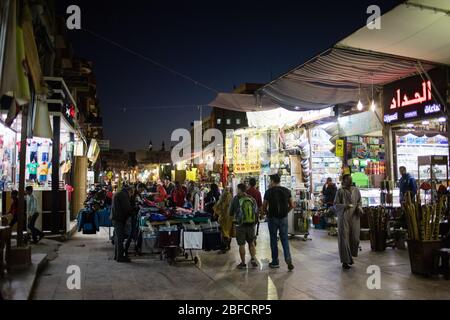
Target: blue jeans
x=279 y=225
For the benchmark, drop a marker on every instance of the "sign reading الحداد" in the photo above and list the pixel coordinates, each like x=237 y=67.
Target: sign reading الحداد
x=359 y=124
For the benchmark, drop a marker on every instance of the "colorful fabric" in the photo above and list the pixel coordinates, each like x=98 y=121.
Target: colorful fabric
x=32 y=168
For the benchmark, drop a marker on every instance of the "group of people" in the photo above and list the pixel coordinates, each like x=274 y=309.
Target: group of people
x=238 y=216
x=32 y=213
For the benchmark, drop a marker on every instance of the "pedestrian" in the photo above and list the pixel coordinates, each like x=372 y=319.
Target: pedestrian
x=221 y=213
x=178 y=195
x=348 y=208
x=277 y=204
x=255 y=194
x=33 y=214
x=243 y=209
x=211 y=198
x=329 y=193
x=406 y=184
x=120 y=213
x=135 y=201
x=161 y=195
x=14 y=208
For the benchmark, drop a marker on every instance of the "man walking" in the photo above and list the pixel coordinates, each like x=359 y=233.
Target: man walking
x=406 y=184
x=277 y=204
x=33 y=214
x=120 y=212
x=348 y=208
x=243 y=209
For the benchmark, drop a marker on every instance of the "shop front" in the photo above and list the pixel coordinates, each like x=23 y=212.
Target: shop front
x=49 y=162
x=415 y=115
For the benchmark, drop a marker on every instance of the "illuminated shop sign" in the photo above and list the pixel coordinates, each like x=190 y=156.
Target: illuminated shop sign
x=415 y=97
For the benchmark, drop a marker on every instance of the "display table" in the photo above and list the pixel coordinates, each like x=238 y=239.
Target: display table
x=5 y=246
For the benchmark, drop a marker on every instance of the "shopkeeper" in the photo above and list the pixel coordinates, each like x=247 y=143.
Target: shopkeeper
x=406 y=184
x=329 y=193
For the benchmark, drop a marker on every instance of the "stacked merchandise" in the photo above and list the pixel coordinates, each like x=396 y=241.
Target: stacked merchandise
x=409 y=147
x=96 y=212
x=305 y=154
x=423 y=231
x=325 y=164
x=378 y=223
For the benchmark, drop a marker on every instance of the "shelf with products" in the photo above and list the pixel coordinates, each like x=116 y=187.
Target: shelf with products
x=325 y=164
x=410 y=146
x=371 y=197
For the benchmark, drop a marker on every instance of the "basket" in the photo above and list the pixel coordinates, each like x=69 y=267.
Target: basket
x=421 y=256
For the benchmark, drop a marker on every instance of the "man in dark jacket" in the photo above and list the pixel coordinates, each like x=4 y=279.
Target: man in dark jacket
x=329 y=193
x=120 y=212
x=406 y=184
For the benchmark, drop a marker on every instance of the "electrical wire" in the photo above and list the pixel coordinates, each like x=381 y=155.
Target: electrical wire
x=124 y=109
x=148 y=59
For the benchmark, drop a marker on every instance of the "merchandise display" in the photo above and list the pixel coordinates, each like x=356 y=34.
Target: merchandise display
x=324 y=163
x=411 y=146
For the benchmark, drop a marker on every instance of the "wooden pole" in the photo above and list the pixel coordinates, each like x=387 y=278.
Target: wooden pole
x=22 y=173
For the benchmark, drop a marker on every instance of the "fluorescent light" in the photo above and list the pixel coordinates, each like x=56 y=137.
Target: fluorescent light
x=360 y=105
x=297 y=108
x=373 y=106
x=425 y=123
x=442 y=119
x=410 y=125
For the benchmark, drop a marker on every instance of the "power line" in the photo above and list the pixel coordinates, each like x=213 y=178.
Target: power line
x=152 y=61
x=124 y=109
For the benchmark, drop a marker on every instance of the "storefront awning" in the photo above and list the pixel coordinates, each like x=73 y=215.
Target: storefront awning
x=335 y=77
x=242 y=102
x=418 y=29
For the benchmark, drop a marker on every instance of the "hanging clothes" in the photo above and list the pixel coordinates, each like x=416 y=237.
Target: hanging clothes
x=221 y=210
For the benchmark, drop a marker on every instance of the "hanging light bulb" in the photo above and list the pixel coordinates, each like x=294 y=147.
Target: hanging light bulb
x=360 y=105
x=372 y=106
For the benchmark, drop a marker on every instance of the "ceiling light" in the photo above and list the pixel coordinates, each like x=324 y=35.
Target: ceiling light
x=373 y=106
x=360 y=106
x=410 y=125
x=297 y=108
x=442 y=119
x=425 y=123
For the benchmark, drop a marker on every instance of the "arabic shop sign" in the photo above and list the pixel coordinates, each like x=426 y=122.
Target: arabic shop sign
x=414 y=98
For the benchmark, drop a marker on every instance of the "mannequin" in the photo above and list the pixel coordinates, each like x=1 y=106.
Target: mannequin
x=34 y=147
x=43 y=172
x=32 y=169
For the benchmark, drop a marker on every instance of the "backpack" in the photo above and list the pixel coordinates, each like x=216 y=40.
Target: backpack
x=247 y=211
x=279 y=206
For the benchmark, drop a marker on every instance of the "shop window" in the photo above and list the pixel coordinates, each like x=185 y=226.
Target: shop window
x=228 y=122
x=238 y=121
x=219 y=121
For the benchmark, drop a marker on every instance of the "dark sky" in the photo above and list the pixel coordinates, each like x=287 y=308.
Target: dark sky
x=218 y=43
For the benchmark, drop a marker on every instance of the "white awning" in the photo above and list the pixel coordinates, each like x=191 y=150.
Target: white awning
x=418 y=29
x=335 y=77
x=242 y=102
x=284 y=118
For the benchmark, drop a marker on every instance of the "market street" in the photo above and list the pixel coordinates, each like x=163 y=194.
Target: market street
x=318 y=274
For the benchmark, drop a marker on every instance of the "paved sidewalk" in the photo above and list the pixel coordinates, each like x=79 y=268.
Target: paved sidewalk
x=318 y=274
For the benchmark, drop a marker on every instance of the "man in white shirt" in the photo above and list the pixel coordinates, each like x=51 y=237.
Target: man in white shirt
x=33 y=214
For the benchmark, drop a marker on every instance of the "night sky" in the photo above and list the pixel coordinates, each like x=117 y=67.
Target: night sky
x=218 y=43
